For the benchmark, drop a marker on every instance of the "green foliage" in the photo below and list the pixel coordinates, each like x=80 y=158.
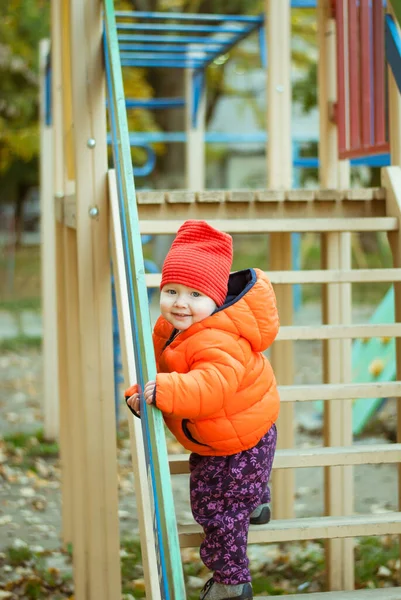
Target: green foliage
x=22 y=24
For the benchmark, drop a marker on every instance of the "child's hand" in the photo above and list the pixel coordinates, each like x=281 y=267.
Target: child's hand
x=149 y=392
x=132 y=396
x=133 y=402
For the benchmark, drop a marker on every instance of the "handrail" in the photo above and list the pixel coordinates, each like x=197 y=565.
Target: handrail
x=165 y=525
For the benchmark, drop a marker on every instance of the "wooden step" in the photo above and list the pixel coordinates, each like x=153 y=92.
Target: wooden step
x=318 y=276
x=377 y=594
x=310 y=225
x=316 y=457
x=317 y=528
x=337 y=332
x=339 y=391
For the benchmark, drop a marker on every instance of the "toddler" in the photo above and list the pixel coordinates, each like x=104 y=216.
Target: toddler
x=218 y=394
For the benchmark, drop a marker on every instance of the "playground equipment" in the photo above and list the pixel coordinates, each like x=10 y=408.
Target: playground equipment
x=80 y=202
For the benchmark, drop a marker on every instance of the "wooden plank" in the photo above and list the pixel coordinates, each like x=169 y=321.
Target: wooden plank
x=211 y=196
x=63 y=382
x=170 y=570
x=48 y=261
x=391 y=178
x=279 y=176
x=195 y=150
x=148 y=552
x=289 y=530
x=323 y=276
x=326 y=332
x=278 y=196
x=339 y=391
x=95 y=308
x=208 y=206
x=279 y=225
x=76 y=419
x=180 y=197
x=299 y=458
x=336 y=252
x=376 y=594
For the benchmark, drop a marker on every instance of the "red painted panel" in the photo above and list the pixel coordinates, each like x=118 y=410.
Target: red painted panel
x=353 y=71
x=341 y=99
x=365 y=73
x=361 y=95
x=379 y=79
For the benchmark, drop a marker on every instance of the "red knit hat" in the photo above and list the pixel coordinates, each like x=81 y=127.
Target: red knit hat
x=200 y=257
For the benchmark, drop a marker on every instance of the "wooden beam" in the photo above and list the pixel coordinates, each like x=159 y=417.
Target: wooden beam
x=316 y=457
x=291 y=530
x=279 y=225
x=95 y=308
x=48 y=260
x=391 y=178
x=376 y=594
x=324 y=276
x=327 y=332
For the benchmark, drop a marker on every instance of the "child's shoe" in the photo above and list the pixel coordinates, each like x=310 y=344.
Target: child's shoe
x=260 y=515
x=221 y=591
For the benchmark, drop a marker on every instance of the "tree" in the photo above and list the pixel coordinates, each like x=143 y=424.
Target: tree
x=22 y=24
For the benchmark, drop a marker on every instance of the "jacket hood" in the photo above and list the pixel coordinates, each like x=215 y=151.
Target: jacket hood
x=249 y=311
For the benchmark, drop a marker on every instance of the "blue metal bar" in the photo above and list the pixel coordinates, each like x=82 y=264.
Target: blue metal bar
x=235 y=39
x=184 y=28
x=48 y=95
x=164 y=48
x=155 y=103
x=171 y=39
x=393 y=49
x=198 y=89
x=186 y=16
x=149 y=165
x=262 y=47
x=125 y=62
x=182 y=56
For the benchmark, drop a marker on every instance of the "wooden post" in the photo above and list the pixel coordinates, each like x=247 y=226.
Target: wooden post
x=65 y=430
x=48 y=260
x=94 y=294
x=195 y=145
x=279 y=168
x=391 y=179
x=336 y=254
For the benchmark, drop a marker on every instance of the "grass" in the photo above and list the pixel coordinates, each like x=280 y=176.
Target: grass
x=33 y=445
x=20 y=343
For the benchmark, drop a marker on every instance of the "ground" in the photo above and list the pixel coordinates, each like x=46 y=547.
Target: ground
x=30 y=503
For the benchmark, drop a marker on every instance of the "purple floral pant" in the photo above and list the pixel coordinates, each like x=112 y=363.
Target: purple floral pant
x=224 y=491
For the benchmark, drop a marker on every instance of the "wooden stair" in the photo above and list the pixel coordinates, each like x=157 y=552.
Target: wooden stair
x=331 y=213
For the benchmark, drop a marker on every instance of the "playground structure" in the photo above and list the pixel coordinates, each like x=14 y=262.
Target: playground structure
x=91 y=210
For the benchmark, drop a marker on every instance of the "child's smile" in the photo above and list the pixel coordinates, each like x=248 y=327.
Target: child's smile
x=183 y=306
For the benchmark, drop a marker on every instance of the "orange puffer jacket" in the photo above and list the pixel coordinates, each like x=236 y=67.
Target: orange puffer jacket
x=216 y=389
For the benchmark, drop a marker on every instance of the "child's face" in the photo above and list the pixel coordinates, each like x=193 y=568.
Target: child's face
x=183 y=306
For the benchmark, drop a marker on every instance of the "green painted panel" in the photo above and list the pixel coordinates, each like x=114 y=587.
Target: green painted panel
x=165 y=525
